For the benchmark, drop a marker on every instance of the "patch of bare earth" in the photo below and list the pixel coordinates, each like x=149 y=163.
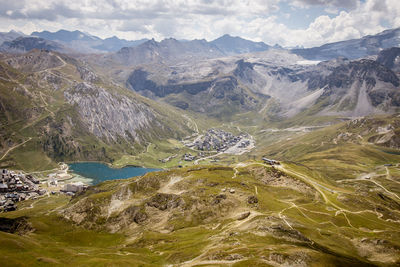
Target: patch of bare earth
x=274 y=177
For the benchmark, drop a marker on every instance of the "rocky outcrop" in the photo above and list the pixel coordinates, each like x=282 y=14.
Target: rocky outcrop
x=138 y=81
x=165 y=201
x=88 y=75
x=19 y=225
x=244 y=215
x=389 y=139
x=109 y=116
x=252 y=200
x=390 y=58
x=36 y=60
x=133 y=214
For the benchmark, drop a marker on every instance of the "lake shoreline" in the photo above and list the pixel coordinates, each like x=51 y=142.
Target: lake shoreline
x=99 y=172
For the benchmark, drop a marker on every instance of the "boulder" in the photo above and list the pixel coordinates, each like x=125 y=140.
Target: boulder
x=165 y=201
x=244 y=215
x=252 y=200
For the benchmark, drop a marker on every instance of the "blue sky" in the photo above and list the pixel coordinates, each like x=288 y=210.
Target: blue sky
x=286 y=22
x=300 y=18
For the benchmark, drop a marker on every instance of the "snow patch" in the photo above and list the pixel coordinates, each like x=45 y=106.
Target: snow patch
x=308 y=62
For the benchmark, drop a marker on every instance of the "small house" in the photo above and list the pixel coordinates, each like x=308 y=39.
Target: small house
x=3 y=188
x=74 y=187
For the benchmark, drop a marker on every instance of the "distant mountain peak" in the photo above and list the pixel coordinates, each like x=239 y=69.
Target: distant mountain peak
x=232 y=45
x=24 y=44
x=86 y=42
x=226 y=35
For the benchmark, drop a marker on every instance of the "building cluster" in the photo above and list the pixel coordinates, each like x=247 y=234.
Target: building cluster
x=244 y=144
x=271 y=161
x=218 y=140
x=188 y=157
x=15 y=186
x=73 y=188
x=167 y=159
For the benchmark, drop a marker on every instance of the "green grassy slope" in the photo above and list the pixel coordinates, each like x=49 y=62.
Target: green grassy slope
x=38 y=124
x=188 y=217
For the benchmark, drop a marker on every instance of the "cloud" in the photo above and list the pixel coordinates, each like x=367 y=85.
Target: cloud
x=258 y=20
x=348 y=4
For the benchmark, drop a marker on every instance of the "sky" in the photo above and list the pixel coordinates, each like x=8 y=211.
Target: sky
x=287 y=23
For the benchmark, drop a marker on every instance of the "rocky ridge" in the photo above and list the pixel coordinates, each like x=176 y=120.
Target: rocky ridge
x=336 y=87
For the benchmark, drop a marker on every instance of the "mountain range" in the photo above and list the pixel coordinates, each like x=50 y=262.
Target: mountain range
x=227 y=45
x=366 y=46
x=263 y=156
x=84 y=42
x=221 y=79
x=336 y=87
x=87 y=43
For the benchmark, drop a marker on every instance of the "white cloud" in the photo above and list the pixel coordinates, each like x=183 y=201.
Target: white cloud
x=350 y=4
x=190 y=19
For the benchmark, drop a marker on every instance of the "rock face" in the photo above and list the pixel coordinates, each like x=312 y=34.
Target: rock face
x=109 y=116
x=135 y=214
x=139 y=82
x=165 y=201
x=18 y=225
x=360 y=88
x=88 y=75
x=390 y=58
x=267 y=86
x=210 y=95
x=36 y=60
x=252 y=200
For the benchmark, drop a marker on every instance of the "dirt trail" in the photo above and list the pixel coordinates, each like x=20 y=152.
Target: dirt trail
x=196 y=162
x=196 y=128
x=46 y=104
x=389 y=177
x=232 y=226
x=322 y=189
x=384 y=188
x=282 y=217
x=167 y=188
x=62 y=61
x=63 y=64
x=14 y=147
x=235 y=173
x=341 y=210
x=369 y=177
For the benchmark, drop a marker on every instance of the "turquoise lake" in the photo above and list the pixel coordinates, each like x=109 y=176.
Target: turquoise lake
x=99 y=172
